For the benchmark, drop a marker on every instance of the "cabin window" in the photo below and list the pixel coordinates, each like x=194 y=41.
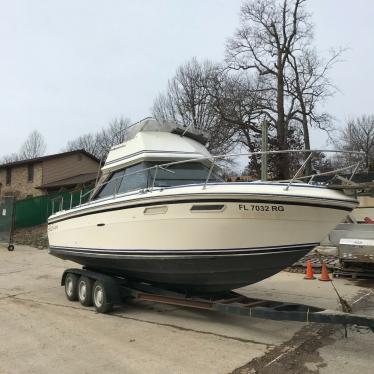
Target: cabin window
x=182 y=174
x=8 y=176
x=111 y=185
x=135 y=178
x=30 y=172
x=125 y=180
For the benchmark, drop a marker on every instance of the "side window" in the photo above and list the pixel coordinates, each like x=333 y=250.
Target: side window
x=8 y=178
x=135 y=178
x=182 y=174
x=30 y=172
x=111 y=185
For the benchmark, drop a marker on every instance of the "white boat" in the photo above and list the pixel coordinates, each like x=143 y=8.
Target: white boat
x=180 y=226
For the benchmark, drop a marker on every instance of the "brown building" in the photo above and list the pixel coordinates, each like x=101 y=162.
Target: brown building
x=41 y=175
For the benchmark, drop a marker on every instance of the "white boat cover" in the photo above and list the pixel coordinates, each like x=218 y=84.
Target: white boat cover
x=151 y=124
x=150 y=139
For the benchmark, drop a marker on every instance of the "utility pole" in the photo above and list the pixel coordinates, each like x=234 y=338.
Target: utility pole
x=264 y=148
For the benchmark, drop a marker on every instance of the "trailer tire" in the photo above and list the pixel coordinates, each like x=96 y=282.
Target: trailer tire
x=85 y=290
x=71 y=287
x=10 y=247
x=100 y=298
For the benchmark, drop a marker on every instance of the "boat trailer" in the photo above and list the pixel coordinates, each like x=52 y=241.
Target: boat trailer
x=108 y=290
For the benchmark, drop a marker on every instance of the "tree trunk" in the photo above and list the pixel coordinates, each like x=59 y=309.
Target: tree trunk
x=308 y=166
x=283 y=159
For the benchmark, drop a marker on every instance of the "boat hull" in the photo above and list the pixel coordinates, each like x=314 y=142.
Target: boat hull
x=191 y=273
x=209 y=241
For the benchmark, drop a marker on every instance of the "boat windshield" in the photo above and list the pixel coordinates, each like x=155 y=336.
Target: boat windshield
x=182 y=174
x=139 y=176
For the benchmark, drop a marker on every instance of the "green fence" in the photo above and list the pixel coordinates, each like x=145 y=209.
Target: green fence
x=36 y=210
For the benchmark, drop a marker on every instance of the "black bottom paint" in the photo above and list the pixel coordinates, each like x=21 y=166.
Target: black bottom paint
x=208 y=273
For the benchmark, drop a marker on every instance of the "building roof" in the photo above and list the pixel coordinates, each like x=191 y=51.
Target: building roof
x=77 y=179
x=48 y=157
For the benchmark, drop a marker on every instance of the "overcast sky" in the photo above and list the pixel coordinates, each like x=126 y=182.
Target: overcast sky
x=69 y=67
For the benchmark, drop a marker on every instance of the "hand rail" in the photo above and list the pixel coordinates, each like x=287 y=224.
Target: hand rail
x=335 y=171
x=300 y=170
x=213 y=160
x=354 y=170
x=117 y=187
x=61 y=199
x=154 y=178
x=209 y=174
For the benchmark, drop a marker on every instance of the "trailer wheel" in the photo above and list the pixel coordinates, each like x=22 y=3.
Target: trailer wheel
x=10 y=247
x=71 y=287
x=85 y=291
x=100 y=299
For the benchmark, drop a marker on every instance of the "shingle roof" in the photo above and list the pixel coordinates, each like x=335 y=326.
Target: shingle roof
x=48 y=157
x=77 y=179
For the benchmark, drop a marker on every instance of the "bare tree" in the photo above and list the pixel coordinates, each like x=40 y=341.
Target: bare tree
x=358 y=135
x=99 y=144
x=10 y=158
x=115 y=133
x=89 y=142
x=268 y=34
x=237 y=101
x=230 y=106
x=33 y=147
x=310 y=85
x=187 y=101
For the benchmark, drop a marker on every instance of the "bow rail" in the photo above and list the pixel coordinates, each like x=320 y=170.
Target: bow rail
x=214 y=160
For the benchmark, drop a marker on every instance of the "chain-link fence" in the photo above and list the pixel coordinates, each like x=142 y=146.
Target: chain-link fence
x=7 y=209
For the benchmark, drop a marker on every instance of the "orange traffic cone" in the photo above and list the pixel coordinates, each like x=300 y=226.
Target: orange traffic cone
x=324 y=273
x=309 y=271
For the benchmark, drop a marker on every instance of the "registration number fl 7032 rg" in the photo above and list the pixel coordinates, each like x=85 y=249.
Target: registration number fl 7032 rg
x=261 y=208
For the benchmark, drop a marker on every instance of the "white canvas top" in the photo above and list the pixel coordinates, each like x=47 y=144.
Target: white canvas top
x=155 y=141
x=151 y=124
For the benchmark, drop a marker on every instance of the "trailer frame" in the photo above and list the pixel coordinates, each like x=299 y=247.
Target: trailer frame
x=117 y=289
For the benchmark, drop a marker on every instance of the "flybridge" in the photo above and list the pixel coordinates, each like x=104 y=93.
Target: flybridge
x=151 y=124
x=150 y=140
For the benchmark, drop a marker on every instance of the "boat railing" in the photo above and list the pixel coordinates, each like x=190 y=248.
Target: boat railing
x=214 y=161
x=57 y=203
